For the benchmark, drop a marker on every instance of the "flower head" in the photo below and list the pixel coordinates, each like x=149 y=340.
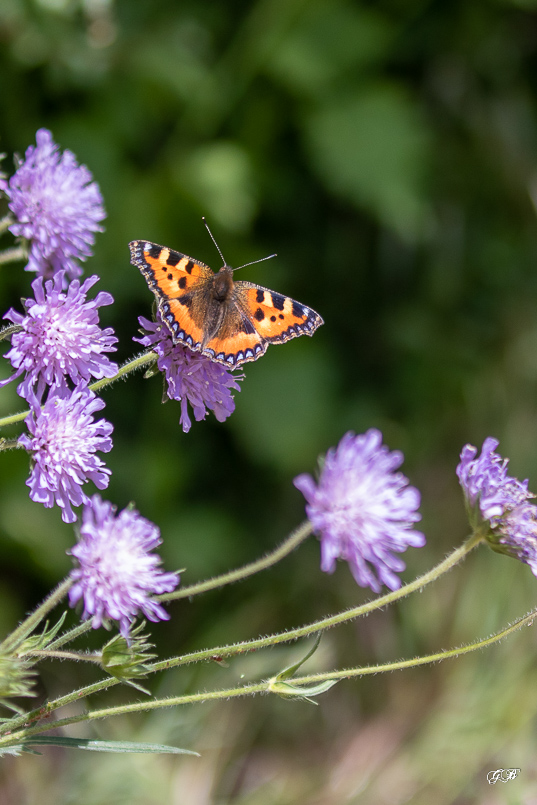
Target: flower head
x=117 y=572
x=499 y=502
x=60 y=337
x=363 y=510
x=191 y=377
x=57 y=207
x=488 y=489
x=63 y=440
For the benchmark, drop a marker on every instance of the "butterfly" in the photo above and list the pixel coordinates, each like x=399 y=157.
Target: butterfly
x=229 y=322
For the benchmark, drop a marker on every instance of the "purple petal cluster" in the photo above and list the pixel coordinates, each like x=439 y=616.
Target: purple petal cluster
x=191 y=378
x=63 y=440
x=60 y=337
x=486 y=484
x=499 y=502
x=117 y=572
x=363 y=510
x=57 y=207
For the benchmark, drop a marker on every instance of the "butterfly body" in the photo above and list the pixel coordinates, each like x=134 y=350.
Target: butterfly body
x=229 y=322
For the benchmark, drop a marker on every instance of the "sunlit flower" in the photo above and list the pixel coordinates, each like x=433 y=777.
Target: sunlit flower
x=191 y=378
x=117 y=573
x=363 y=510
x=63 y=440
x=57 y=207
x=60 y=337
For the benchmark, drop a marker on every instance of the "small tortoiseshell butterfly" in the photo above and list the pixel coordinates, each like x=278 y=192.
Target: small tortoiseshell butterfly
x=229 y=322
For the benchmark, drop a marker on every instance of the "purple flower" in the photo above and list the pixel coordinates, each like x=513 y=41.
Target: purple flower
x=60 y=337
x=117 y=573
x=63 y=441
x=516 y=535
x=486 y=485
x=363 y=510
x=57 y=207
x=499 y=503
x=191 y=377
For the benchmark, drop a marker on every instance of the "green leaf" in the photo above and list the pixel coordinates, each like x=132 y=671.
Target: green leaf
x=287 y=673
x=285 y=690
x=104 y=746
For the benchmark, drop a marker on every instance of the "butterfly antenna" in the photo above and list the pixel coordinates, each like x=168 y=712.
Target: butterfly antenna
x=213 y=240
x=262 y=259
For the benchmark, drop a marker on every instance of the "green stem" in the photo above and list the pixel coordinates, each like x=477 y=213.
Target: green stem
x=72 y=634
x=271 y=685
x=130 y=366
x=13 y=255
x=326 y=623
x=44 y=710
x=295 y=538
x=127 y=368
x=28 y=625
x=47 y=654
x=5 y=223
x=6 y=332
x=240 y=648
x=416 y=661
x=10 y=444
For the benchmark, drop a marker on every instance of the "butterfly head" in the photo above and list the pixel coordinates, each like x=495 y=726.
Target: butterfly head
x=223 y=283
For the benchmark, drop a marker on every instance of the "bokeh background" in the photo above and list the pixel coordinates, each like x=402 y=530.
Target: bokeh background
x=387 y=151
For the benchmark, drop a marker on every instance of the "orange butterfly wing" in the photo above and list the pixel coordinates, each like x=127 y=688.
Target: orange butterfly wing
x=171 y=275
x=251 y=317
x=260 y=317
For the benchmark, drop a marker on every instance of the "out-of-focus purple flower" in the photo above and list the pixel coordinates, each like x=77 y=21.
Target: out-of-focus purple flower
x=498 y=504
x=117 y=572
x=57 y=206
x=191 y=377
x=63 y=440
x=489 y=491
x=362 y=510
x=60 y=337
x=516 y=535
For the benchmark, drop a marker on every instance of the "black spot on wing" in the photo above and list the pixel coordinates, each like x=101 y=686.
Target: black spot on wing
x=173 y=259
x=278 y=300
x=181 y=282
x=259 y=315
x=154 y=250
x=189 y=266
x=260 y=295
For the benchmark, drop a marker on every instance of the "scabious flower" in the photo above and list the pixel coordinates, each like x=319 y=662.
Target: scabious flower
x=362 y=510
x=63 y=440
x=60 y=337
x=191 y=377
x=117 y=572
x=57 y=207
x=499 y=504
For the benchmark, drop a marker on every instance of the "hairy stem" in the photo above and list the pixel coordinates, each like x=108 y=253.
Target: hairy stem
x=290 y=688
x=32 y=621
x=293 y=540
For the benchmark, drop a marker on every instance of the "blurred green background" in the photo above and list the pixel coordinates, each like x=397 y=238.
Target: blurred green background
x=387 y=152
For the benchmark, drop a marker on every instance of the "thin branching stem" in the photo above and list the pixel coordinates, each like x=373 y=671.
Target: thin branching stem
x=293 y=540
x=292 y=689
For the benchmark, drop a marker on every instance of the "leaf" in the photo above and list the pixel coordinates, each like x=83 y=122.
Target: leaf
x=287 y=673
x=285 y=690
x=104 y=746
